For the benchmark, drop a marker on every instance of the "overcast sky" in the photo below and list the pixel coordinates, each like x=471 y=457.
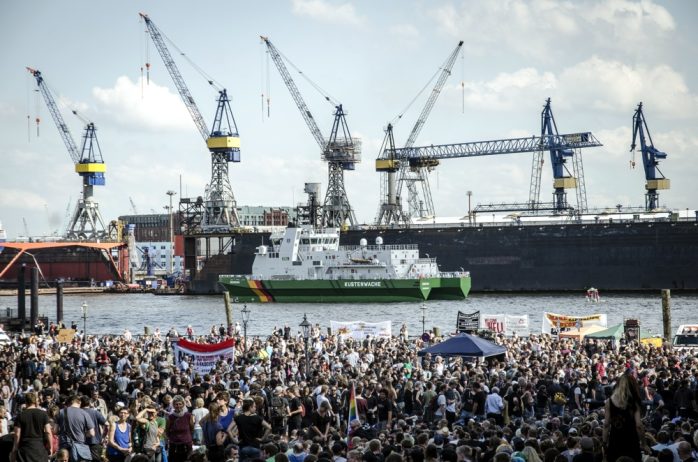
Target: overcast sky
x=596 y=60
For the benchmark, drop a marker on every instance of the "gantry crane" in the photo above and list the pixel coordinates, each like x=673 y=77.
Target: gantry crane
x=390 y=209
x=340 y=150
x=86 y=222
x=563 y=179
x=223 y=141
x=431 y=155
x=650 y=160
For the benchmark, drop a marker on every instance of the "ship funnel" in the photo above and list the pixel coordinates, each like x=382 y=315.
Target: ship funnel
x=379 y=240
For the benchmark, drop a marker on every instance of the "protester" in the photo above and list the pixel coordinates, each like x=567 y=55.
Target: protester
x=535 y=403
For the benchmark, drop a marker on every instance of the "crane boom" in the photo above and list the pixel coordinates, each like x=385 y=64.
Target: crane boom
x=430 y=155
x=176 y=76
x=57 y=117
x=295 y=93
x=435 y=92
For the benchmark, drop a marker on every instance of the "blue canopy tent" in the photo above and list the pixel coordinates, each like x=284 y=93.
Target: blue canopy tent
x=464 y=345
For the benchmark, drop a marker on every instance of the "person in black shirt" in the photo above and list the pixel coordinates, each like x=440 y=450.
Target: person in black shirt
x=385 y=410
x=32 y=430
x=251 y=429
x=322 y=421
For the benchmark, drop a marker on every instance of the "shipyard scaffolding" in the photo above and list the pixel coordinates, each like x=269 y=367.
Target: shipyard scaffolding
x=341 y=151
x=86 y=221
x=217 y=212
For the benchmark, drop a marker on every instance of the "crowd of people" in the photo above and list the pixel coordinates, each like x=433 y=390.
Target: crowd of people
x=129 y=398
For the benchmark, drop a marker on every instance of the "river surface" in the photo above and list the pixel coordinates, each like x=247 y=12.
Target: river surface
x=112 y=313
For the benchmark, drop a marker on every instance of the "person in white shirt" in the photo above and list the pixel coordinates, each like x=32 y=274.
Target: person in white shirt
x=494 y=406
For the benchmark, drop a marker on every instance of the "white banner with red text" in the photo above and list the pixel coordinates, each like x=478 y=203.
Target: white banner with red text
x=202 y=357
x=507 y=324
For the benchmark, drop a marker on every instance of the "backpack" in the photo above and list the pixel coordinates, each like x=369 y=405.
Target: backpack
x=138 y=437
x=434 y=404
x=277 y=408
x=559 y=398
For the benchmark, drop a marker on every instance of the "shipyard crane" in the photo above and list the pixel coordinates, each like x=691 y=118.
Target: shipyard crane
x=650 y=160
x=223 y=141
x=86 y=222
x=431 y=155
x=340 y=150
x=390 y=209
x=563 y=179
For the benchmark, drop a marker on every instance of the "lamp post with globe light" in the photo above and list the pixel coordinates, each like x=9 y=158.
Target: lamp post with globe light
x=245 y=319
x=84 y=319
x=305 y=326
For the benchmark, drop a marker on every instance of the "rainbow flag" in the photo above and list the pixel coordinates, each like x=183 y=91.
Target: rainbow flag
x=353 y=411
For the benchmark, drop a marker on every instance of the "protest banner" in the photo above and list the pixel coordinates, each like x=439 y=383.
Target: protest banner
x=467 y=323
x=506 y=324
x=554 y=323
x=360 y=330
x=65 y=335
x=204 y=356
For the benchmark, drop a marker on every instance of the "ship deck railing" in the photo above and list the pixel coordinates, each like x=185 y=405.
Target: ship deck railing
x=352 y=248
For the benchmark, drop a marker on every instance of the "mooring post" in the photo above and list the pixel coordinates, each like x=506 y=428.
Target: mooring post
x=228 y=312
x=59 y=303
x=34 y=299
x=666 y=314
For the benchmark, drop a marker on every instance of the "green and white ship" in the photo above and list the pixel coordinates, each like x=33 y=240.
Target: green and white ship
x=308 y=265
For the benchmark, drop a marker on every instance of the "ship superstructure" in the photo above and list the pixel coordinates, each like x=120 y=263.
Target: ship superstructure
x=306 y=265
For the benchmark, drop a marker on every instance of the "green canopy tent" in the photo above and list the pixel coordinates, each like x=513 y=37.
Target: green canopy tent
x=612 y=333
x=616 y=333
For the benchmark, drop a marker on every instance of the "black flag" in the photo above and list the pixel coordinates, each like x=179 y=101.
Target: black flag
x=468 y=323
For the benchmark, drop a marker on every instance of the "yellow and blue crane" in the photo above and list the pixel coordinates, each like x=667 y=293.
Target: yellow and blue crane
x=340 y=150
x=560 y=146
x=86 y=222
x=223 y=141
x=651 y=156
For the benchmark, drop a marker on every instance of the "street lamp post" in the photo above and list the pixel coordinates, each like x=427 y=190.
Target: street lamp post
x=84 y=319
x=305 y=326
x=424 y=316
x=170 y=268
x=245 y=318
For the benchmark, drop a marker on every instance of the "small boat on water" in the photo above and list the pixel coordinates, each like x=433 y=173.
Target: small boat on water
x=305 y=264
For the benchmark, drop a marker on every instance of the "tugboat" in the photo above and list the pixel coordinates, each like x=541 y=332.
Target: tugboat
x=305 y=264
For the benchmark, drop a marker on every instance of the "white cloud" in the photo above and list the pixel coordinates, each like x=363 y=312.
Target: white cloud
x=545 y=29
x=596 y=84
x=507 y=90
x=321 y=10
x=142 y=106
x=614 y=86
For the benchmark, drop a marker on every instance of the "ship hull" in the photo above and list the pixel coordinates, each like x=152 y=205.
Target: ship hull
x=620 y=256
x=245 y=290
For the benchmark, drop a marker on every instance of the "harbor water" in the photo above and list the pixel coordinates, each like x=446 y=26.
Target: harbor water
x=113 y=313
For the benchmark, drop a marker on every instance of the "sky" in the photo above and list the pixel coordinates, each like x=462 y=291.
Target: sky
x=595 y=59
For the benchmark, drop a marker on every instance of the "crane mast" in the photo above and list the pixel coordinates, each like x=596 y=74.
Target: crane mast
x=651 y=156
x=563 y=179
x=340 y=150
x=390 y=209
x=86 y=221
x=223 y=142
